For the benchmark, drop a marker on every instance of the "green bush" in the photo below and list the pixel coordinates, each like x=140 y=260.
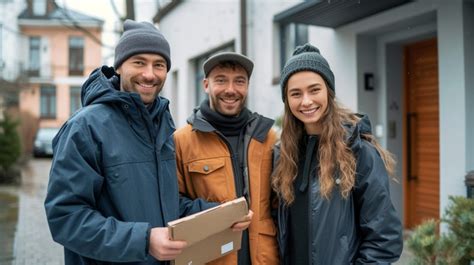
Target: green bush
x=423 y=242
x=460 y=219
x=10 y=146
x=456 y=247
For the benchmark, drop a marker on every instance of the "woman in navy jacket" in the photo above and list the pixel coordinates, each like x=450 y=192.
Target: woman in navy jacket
x=331 y=177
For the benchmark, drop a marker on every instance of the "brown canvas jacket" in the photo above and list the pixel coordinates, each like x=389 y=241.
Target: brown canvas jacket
x=205 y=171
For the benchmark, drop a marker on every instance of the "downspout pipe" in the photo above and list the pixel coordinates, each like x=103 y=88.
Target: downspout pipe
x=243 y=27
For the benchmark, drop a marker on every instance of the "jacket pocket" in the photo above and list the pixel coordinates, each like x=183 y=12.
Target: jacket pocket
x=210 y=180
x=267 y=243
x=267 y=227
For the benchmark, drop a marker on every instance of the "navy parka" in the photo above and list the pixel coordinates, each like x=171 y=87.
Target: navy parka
x=361 y=229
x=113 y=176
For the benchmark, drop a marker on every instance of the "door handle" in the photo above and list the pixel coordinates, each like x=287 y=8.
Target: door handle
x=411 y=128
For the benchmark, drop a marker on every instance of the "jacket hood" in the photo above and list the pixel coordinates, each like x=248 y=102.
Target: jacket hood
x=197 y=120
x=354 y=132
x=102 y=86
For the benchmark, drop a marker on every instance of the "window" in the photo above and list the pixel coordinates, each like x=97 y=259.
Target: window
x=39 y=7
x=76 y=56
x=200 y=94
x=75 y=98
x=48 y=102
x=291 y=36
x=198 y=63
x=1 y=47
x=34 y=63
x=174 y=92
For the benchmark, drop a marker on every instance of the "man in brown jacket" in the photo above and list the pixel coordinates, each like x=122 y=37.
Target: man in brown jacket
x=225 y=152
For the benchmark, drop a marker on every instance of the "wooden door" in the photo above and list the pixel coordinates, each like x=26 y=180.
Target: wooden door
x=421 y=148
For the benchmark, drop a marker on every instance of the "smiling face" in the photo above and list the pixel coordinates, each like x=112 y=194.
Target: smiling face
x=144 y=74
x=227 y=87
x=307 y=95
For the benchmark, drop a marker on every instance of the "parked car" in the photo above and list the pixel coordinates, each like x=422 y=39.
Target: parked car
x=43 y=145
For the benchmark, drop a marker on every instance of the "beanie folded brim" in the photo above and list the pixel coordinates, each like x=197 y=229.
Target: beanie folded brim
x=306 y=58
x=138 y=38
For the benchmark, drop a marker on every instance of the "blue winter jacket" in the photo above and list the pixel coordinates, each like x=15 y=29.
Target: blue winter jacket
x=113 y=176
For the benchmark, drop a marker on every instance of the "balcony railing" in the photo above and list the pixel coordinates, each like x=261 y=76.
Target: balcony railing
x=48 y=72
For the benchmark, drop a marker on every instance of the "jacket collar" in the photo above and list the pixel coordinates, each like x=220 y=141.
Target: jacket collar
x=257 y=126
x=103 y=87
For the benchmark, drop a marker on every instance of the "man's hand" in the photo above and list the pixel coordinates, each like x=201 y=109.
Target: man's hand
x=161 y=247
x=244 y=223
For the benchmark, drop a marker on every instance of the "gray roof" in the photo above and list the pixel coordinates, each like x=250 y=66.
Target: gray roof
x=61 y=15
x=334 y=14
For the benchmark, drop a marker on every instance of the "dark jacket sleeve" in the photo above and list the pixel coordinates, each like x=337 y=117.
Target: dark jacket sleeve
x=379 y=223
x=188 y=206
x=74 y=188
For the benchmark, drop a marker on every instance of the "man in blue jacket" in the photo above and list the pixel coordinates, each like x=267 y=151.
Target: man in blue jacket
x=112 y=186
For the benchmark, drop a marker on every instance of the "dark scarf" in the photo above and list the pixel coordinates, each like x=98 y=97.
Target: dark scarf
x=227 y=125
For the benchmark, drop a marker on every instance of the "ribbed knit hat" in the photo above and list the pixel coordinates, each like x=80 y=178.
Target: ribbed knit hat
x=306 y=58
x=141 y=37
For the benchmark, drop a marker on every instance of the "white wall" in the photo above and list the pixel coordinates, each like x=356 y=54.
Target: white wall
x=145 y=10
x=367 y=63
x=469 y=70
x=339 y=49
x=192 y=29
x=393 y=134
x=452 y=101
x=263 y=47
x=11 y=36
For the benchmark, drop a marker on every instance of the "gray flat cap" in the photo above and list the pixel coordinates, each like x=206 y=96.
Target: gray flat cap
x=214 y=60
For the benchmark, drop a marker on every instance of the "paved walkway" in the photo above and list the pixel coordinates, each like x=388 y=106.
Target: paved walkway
x=33 y=242
x=406 y=257
x=8 y=221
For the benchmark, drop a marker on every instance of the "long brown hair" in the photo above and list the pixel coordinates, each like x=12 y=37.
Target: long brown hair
x=335 y=156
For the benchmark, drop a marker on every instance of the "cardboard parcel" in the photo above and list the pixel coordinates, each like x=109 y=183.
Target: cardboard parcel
x=208 y=233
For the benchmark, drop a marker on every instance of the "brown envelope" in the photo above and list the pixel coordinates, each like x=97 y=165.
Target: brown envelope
x=208 y=233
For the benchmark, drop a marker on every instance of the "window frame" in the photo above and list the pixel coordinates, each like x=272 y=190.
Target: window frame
x=74 y=99
x=48 y=103
x=292 y=35
x=34 y=55
x=76 y=55
x=1 y=45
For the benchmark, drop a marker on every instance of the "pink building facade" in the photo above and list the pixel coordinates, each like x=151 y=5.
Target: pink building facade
x=60 y=48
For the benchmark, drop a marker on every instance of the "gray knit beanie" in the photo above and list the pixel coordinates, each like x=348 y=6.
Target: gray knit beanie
x=306 y=58
x=141 y=37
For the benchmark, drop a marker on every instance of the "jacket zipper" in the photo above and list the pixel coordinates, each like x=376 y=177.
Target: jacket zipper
x=310 y=189
x=153 y=133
